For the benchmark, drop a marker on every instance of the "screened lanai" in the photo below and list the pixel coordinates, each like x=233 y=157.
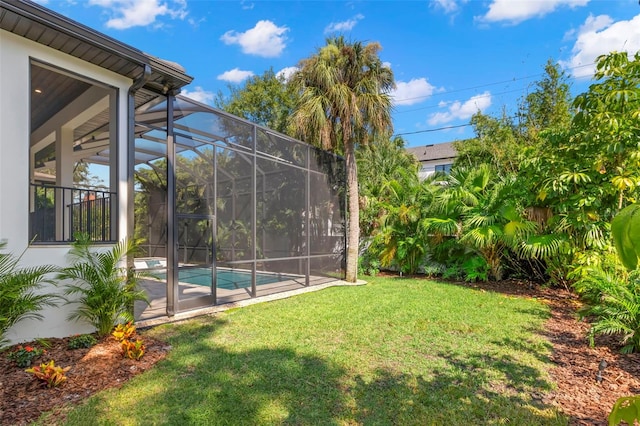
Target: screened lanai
x=248 y=211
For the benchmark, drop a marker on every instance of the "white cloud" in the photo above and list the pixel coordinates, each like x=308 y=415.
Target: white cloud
x=515 y=12
x=200 y=95
x=246 y=5
x=448 y=6
x=134 y=13
x=265 y=39
x=461 y=111
x=287 y=72
x=235 y=75
x=412 y=92
x=600 y=35
x=343 y=26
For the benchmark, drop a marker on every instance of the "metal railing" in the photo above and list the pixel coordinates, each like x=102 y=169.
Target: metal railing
x=58 y=213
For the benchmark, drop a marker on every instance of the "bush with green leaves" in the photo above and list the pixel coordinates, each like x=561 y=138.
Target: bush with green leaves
x=104 y=288
x=82 y=341
x=368 y=263
x=20 y=291
x=476 y=269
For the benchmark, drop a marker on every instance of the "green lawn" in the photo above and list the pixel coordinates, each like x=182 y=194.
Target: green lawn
x=393 y=352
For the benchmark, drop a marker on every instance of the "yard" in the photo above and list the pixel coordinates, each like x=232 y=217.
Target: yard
x=396 y=351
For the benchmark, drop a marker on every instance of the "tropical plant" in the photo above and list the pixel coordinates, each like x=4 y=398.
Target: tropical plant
x=378 y=163
x=124 y=331
x=82 y=341
x=475 y=269
x=617 y=312
x=20 y=297
x=401 y=235
x=477 y=209
x=24 y=355
x=344 y=101
x=625 y=229
x=105 y=289
x=49 y=373
x=626 y=409
x=132 y=350
x=611 y=294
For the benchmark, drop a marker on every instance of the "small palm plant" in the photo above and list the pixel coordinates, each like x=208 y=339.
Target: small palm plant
x=19 y=296
x=613 y=297
x=618 y=313
x=105 y=289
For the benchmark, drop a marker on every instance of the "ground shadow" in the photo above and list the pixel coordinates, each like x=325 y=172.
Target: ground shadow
x=277 y=385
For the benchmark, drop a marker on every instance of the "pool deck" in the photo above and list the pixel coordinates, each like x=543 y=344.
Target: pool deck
x=155 y=313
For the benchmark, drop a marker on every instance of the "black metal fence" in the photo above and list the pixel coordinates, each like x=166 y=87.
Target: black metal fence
x=58 y=213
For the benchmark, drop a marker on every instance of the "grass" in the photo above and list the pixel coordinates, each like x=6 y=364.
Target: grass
x=396 y=351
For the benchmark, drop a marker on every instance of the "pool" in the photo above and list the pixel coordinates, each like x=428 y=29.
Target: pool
x=229 y=279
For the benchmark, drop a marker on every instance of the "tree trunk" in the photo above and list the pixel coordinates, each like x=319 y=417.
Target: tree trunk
x=353 y=226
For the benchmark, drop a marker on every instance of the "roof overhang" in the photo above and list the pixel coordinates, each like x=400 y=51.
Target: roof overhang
x=37 y=23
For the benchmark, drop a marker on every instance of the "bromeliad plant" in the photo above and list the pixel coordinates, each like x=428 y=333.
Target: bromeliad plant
x=107 y=290
x=20 y=297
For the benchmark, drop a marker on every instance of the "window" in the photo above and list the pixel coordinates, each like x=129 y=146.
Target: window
x=72 y=151
x=444 y=168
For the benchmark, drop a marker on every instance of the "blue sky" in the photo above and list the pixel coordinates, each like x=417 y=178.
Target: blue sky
x=450 y=58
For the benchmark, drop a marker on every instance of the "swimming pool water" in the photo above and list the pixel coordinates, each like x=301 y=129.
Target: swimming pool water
x=226 y=278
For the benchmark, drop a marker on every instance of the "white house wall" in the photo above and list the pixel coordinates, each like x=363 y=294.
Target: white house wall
x=427 y=168
x=15 y=55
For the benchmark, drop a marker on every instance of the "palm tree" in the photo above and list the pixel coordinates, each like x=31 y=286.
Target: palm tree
x=20 y=297
x=401 y=228
x=477 y=207
x=107 y=290
x=344 y=101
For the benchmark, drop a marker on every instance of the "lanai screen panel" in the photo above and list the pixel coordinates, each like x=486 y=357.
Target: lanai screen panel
x=255 y=211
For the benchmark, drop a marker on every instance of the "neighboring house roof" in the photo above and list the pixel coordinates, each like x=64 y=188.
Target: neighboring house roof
x=439 y=151
x=34 y=22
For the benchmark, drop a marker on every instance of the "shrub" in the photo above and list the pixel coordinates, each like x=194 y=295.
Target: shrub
x=476 y=269
x=49 y=373
x=368 y=264
x=133 y=350
x=124 y=331
x=82 y=341
x=23 y=356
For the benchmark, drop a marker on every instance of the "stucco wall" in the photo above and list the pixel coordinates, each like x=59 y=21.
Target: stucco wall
x=15 y=54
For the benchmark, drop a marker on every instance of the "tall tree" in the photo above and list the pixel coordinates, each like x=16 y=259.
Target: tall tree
x=344 y=101
x=548 y=106
x=264 y=99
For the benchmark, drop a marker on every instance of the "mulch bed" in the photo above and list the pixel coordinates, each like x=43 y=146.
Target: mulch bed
x=23 y=398
x=578 y=393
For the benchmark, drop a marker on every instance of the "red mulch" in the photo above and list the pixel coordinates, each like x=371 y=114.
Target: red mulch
x=578 y=394
x=23 y=398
